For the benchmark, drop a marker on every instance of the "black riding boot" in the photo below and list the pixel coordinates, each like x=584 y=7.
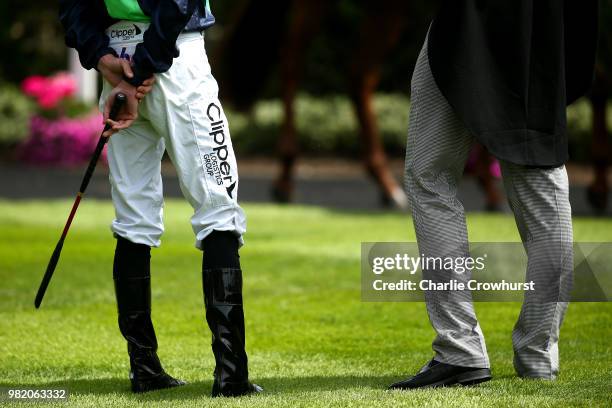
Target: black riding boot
x=131 y=273
x=225 y=316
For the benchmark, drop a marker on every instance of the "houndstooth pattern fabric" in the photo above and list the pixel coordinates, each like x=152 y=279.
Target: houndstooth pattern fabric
x=539 y=199
x=437 y=149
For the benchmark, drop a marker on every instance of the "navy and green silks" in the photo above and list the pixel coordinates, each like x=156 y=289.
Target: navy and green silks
x=126 y=10
x=85 y=22
x=131 y=10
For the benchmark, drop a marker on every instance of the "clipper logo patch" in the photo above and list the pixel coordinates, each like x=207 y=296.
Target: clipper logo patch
x=124 y=37
x=125 y=33
x=216 y=162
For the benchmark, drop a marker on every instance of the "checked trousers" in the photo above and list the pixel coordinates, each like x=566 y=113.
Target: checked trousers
x=437 y=150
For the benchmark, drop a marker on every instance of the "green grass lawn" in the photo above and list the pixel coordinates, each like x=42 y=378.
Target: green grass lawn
x=311 y=341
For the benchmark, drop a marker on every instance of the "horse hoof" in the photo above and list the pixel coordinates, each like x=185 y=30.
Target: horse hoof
x=281 y=195
x=598 y=198
x=493 y=207
x=395 y=199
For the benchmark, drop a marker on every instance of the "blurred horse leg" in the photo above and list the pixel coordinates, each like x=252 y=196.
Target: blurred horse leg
x=240 y=47
x=304 y=23
x=600 y=149
x=379 y=34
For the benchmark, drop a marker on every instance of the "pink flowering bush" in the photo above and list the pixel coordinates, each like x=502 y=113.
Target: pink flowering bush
x=64 y=141
x=63 y=132
x=495 y=169
x=479 y=153
x=49 y=91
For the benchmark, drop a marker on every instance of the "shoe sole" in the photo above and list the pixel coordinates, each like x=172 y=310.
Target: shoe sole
x=474 y=377
x=465 y=379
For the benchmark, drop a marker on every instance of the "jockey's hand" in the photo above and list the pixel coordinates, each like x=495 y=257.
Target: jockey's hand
x=114 y=69
x=128 y=113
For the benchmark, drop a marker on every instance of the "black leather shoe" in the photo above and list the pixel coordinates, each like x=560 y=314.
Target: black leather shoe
x=436 y=374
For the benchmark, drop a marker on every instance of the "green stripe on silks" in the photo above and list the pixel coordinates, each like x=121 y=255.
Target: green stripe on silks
x=130 y=10
x=126 y=10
